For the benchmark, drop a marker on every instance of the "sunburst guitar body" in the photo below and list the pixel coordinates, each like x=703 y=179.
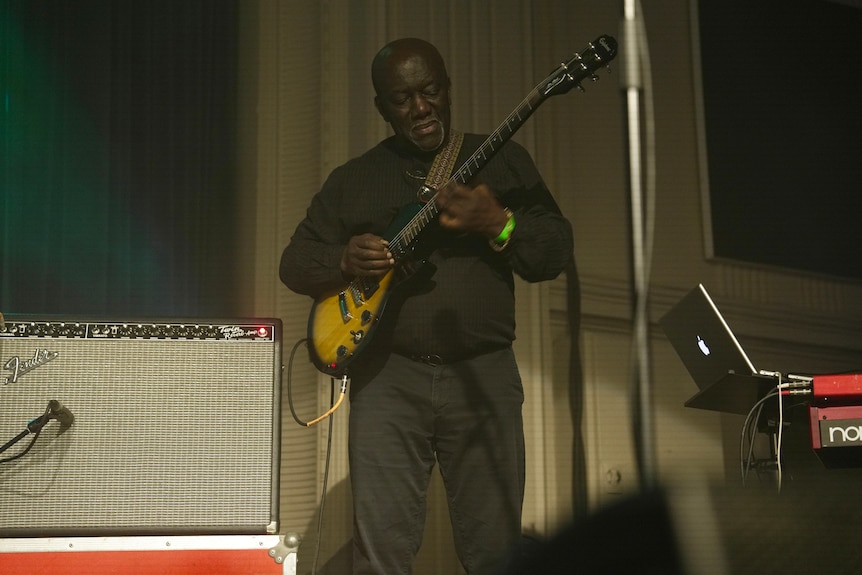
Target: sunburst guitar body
x=342 y=321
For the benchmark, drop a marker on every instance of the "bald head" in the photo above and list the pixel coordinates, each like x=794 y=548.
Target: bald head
x=399 y=50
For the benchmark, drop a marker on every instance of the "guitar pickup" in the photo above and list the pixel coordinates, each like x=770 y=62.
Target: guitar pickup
x=346 y=316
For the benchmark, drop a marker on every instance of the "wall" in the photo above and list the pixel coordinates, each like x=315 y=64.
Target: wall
x=307 y=108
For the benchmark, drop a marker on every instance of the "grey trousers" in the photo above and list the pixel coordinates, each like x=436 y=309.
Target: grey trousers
x=464 y=416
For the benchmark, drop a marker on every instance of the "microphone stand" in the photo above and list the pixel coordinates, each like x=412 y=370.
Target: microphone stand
x=634 y=42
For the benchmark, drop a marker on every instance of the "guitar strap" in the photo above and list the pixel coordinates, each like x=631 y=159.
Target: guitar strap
x=441 y=168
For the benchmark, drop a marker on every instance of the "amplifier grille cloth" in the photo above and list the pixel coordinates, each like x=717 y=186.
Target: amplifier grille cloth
x=169 y=436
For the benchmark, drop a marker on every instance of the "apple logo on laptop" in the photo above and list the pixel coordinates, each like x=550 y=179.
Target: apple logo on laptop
x=704 y=349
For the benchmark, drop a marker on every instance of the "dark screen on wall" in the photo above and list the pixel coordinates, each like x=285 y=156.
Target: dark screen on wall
x=783 y=124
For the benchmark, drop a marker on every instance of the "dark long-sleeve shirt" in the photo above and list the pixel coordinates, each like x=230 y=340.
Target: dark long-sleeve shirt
x=462 y=302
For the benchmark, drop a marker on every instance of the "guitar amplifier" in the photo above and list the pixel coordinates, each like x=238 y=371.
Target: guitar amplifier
x=137 y=427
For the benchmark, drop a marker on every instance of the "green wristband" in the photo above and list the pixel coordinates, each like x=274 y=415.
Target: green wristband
x=502 y=240
x=507 y=229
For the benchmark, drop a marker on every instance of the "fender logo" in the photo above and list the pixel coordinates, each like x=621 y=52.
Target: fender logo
x=19 y=367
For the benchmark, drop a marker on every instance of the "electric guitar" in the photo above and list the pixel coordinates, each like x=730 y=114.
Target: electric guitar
x=342 y=322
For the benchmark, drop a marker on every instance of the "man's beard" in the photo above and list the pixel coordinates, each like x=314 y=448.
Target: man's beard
x=436 y=145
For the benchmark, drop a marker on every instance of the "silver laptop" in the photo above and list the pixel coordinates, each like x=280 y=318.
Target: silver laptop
x=719 y=366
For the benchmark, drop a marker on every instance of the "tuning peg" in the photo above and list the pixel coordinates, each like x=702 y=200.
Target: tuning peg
x=580 y=88
x=594 y=77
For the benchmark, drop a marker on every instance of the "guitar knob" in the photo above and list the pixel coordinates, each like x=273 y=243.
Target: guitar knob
x=357 y=335
x=366 y=317
x=341 y=351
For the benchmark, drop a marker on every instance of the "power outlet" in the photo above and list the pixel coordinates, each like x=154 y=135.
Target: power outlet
x=615 y=479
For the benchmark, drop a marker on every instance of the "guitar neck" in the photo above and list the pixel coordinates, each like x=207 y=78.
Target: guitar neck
x=500 y=136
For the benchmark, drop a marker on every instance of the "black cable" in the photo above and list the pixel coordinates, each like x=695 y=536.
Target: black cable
x=38 y=424
x=296 y=418
x=289 y=389
x=325 y=483
x=756 y=408
x=23 y=453
x=752 y=436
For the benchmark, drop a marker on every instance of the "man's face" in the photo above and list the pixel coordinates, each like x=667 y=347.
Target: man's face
x=414 y=99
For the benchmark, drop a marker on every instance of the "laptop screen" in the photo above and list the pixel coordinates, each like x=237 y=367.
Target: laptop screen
x=703 y=340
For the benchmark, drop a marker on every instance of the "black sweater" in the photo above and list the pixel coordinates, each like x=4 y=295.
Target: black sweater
x=462 y=302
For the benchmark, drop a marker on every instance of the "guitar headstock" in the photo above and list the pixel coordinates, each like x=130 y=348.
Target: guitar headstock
x=582 y=65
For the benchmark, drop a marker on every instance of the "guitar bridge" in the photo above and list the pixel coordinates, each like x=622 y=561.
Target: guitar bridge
x=362 y=290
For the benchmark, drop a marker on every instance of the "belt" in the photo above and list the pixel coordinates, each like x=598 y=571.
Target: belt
x=431 y=359
x=435 y=360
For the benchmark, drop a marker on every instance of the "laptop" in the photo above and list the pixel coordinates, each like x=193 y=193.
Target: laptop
x=724 y=374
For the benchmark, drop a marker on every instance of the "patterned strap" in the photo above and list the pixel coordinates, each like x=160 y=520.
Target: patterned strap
x=441 y=169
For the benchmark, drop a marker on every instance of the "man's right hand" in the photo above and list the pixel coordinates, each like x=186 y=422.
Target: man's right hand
x=366 y=255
